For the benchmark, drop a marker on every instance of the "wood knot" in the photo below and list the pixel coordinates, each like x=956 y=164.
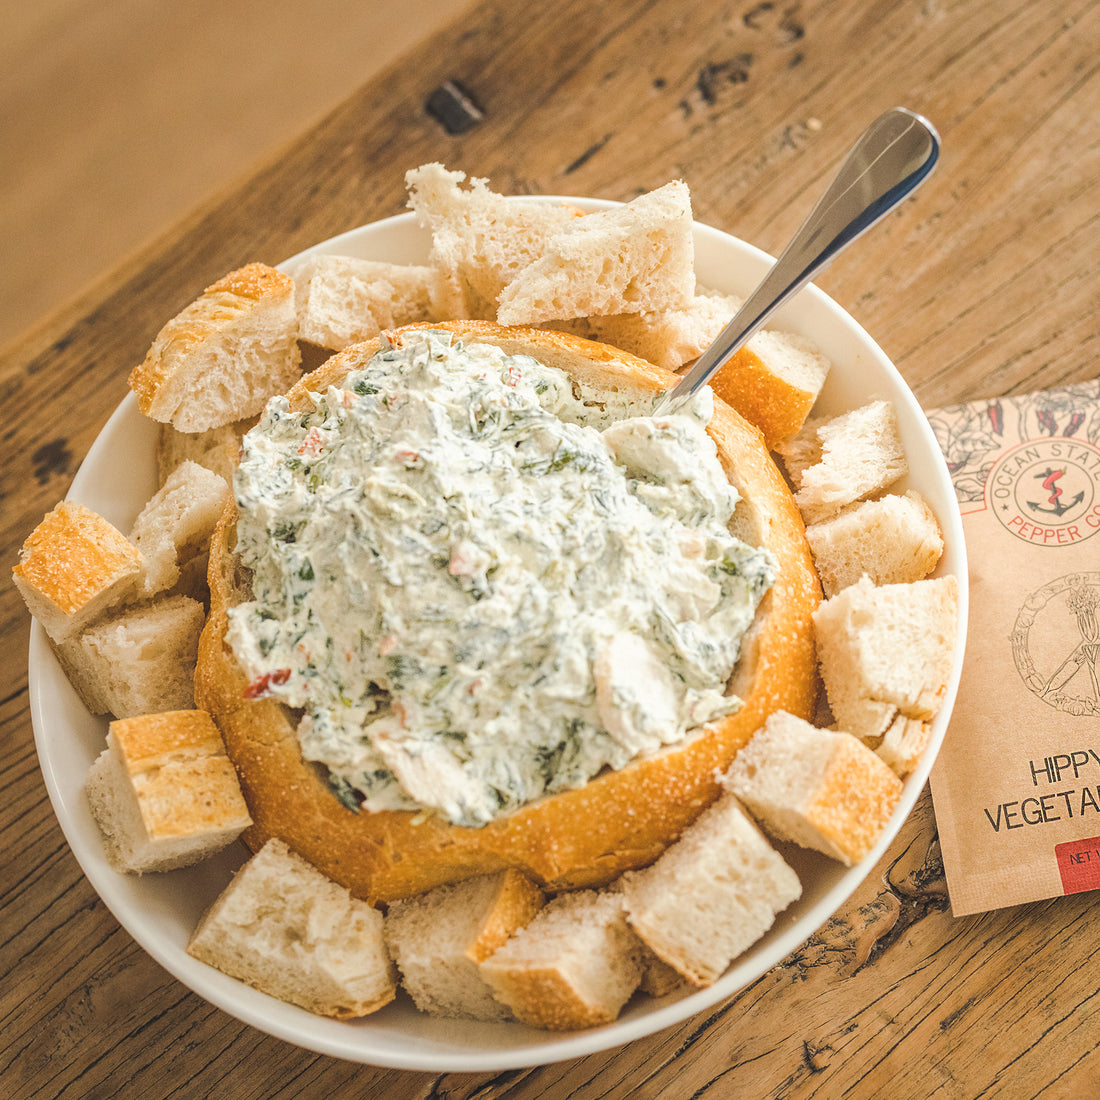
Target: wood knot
x=734 y=70
x=787 y=24
x=51 y=458
x=454 y=107
x=816 y=1058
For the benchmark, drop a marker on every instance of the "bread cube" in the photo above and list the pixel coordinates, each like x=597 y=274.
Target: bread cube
x=176 y=523
x=658 y=978
x=216 y=450
x=773 y=382
x=139 y=660
x=819 y=789
x=574 y=966
x=886 y=652
x=223 y=355
x=903 y=743
x=892 y=540
x=342 y=300
x=627 y=260
x=711 y=895
x=835 y=462
x=164 y=793
x=289 y=931
x=74 y=566
x=438 y=939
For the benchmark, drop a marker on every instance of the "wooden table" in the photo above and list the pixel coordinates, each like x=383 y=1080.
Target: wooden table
x=984 y=284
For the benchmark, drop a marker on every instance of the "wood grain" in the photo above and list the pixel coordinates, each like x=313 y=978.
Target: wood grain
x=983 y=284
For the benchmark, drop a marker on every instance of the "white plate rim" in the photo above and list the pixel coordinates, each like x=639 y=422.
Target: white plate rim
x=364 y=1041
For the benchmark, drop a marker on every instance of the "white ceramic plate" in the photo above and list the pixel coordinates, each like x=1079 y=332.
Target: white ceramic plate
x=160 y=911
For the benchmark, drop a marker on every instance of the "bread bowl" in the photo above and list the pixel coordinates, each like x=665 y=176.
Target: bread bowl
x=621 y=818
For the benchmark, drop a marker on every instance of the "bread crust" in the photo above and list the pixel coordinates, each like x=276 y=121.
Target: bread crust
x=250 y=309
x=72 y=567
x=586 y=837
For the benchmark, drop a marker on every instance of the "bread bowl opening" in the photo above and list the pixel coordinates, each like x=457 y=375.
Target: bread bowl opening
x=505 y=737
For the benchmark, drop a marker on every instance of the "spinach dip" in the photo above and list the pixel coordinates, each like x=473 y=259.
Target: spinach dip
x=473 y=594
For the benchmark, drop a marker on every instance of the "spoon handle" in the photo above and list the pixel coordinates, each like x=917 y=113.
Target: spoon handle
x=892 y=158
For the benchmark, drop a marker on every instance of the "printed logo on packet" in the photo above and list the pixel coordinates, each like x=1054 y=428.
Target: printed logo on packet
x=1047 y=491
x=1056 y=643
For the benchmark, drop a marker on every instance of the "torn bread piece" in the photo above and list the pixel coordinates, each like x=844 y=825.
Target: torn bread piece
x=480 y=239
x=817 y=788
x=221 y=357
x=73 y=567
x=711 y=895
x=886 y=652
x=290 y=932
x=574 y=966
x=216 y=450
x=164 y=793
x=903 y=743
x=637 y=257
x=658 y=978
x=342 y=300
x=668 y=337
x=139 y=660
x=438 y=939
x=892 y=540
x=833 y=462
x=176 y=524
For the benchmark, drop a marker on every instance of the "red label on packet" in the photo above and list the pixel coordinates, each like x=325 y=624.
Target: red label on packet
x=1079 y=864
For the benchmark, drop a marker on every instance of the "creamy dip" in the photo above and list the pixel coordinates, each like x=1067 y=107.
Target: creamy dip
x=474 y=596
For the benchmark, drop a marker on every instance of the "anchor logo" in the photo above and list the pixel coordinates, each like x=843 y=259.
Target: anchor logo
x=1055 y=506
x=1047 y=491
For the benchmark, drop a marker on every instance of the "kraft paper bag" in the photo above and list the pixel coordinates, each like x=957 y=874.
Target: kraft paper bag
x=1016 y=786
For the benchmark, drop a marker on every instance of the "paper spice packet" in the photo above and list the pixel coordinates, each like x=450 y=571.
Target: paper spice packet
x=1016 y=786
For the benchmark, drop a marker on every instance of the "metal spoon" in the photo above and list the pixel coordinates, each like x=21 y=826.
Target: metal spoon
x=893 y=157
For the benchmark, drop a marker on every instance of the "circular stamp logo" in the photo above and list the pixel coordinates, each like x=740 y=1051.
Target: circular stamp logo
x=1056 y=643
x=1047 y=491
